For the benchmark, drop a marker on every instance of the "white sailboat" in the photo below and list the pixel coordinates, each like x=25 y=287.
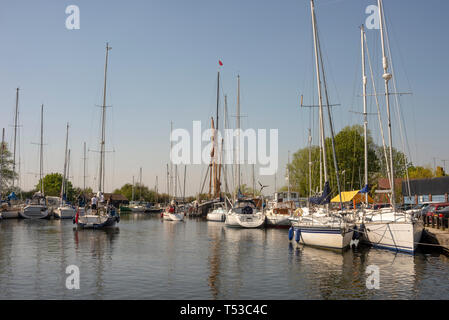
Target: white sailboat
x=65 y=210
x=10 y=209
x=37 y=208
x=104 y=215
x=218 y=212
x=244 y=213
x=389 y=228
x=322 y=229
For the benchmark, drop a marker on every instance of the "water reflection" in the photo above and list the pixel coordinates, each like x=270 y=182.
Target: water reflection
x=147 y=258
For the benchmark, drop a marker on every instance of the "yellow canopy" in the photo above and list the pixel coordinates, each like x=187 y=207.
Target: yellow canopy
x=347 y=196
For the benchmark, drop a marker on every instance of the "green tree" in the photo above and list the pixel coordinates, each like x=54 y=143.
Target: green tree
x=419 y=172
x=6 y=169
x=52 y=186
x=439 y=172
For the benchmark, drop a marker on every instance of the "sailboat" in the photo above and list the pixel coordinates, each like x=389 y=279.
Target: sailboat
x=10 y=208
x=65 y=210
x=324 y=229
x=172 y=211
x=104 y=215
x=389 y=228
x=244 y=212
x=38 y=209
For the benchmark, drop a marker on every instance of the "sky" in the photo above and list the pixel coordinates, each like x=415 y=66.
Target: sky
x=163 y=67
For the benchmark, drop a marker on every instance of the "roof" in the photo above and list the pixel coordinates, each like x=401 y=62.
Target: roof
x=435 y=186
x=347 y=196
x=384 y=183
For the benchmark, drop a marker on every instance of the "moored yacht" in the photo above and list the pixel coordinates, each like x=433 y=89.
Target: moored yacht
x=244 y=214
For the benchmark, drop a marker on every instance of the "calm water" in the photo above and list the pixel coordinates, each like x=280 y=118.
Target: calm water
x=146 y=258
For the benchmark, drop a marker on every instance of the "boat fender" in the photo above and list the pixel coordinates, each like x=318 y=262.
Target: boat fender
x=291 y=231
x=298 y=235
x=356 y=234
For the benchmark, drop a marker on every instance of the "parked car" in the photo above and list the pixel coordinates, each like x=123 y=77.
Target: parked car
x=443 y=213
x=432 y=208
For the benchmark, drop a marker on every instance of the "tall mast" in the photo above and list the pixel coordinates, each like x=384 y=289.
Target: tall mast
x=140 y=186
x=68 y=173
x=184 y=189
x=387 y=76
x=168 y=183
x=288 y=177
x=238 y=132
x=216 y=156
x=132 y=191
x=103 y=126
x=171 y=164
x=16 y=118
x=365 y=115
x=84 y=167
x=2 y=150
x=320 y=99
x=310 y=163
x=41 y=158
x=156 y=189
x=63 y=190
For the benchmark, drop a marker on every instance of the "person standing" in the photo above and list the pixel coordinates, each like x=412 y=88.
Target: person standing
x=94 y=202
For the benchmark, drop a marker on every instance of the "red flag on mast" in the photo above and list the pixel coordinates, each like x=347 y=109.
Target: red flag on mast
x=220 y=63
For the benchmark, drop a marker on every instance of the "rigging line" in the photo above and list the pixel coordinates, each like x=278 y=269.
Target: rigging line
x=378 y=108
x=402 y=128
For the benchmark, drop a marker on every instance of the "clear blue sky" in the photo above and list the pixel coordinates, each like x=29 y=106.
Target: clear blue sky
x=163 y=67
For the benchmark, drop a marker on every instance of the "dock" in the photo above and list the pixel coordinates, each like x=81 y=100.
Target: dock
x=436 y=236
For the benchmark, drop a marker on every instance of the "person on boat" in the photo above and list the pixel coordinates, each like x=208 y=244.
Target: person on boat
x=94 y=202
x=171 y=209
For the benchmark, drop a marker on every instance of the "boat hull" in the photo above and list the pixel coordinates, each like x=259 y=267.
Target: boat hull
x=216 y=216
x=278 y=221
x=13 y=214
x=173 y=216
x=96 y=222
x=245 y=220
x=323 y=237
x=35 y=212
x=64 y=213
x=395 y=236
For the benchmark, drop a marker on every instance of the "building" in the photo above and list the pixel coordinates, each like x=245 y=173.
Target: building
x=422 y=190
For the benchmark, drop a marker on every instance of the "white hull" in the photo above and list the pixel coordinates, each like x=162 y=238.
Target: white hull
x=216 y=216
x=137 y=209
x=13 y=214
x=397 y=236
x=323 y=236
x=278 y=220
x=90 y=221
x=64 y=212
x=34 y=211
x=173 y=216
x=245 y=220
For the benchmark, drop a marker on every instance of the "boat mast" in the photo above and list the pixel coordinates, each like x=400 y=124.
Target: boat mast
x=2 y=162
x=132 y=191
x=320 y=99
x=170 y=176
x=288 y=177
x=238 y=132
x=310 y=163
x=184 y=189
x=365 y=114
x=387 y=77
x=84 y=168
x=63 y=190
x=68 y=171
x=16 y=118
x=41 y=158
x=140 y=186
x=103 y=125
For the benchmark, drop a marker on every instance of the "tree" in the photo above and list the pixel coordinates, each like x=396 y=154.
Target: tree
x=140 y=192
x=52 y=186
x=349 y=148
x=245 y=190
x=419 y=172
x=6 y=169
x=439 y=172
